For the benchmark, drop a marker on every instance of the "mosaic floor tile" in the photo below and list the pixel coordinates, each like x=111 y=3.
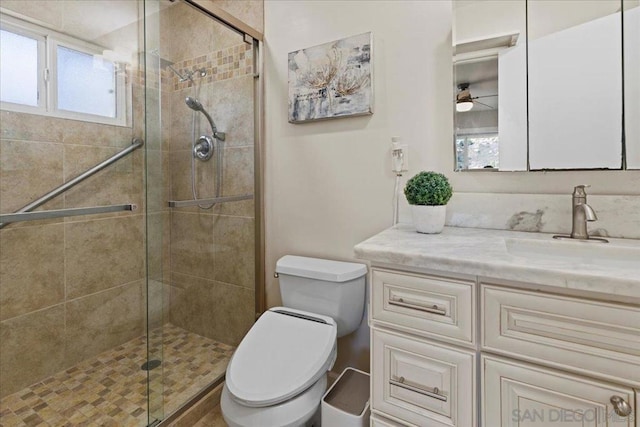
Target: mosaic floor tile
x=111 y=388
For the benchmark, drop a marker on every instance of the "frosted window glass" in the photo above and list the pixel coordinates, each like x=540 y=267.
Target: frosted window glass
x=18 y=69
x=478 y=152
x=86 y=83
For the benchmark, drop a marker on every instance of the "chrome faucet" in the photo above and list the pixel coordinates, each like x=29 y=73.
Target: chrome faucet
x=581 y=214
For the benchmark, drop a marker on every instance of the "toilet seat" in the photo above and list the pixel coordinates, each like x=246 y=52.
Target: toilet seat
x=285 y=352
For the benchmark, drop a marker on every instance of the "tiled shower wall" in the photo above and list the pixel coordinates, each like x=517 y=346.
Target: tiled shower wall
x=74 y=287
x=211 y=287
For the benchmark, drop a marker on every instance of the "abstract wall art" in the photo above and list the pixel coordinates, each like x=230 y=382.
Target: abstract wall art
x=331 y=80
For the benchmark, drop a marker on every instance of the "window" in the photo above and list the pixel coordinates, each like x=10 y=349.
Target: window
x=19 y=62
x=85 y=85
x=44 y=72
x=477 y=151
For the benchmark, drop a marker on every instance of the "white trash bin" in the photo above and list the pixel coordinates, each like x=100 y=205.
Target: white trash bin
x=346 y=403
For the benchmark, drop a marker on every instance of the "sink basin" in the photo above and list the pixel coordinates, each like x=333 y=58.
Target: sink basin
x=606 y=255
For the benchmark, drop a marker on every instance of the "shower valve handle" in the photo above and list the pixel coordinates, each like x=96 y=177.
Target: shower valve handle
x=203 y=150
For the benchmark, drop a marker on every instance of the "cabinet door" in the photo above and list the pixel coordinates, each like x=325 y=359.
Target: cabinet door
x=422 y=383
x=515 y=394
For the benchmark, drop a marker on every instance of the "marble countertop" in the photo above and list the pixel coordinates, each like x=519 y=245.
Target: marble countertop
x=484 y=252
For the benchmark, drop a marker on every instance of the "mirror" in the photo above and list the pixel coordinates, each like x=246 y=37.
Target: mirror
x=556 y=66
x=575 y=84
x=631 y=36
x=490 y=69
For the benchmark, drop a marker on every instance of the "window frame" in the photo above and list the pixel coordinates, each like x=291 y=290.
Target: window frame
x=48 y=43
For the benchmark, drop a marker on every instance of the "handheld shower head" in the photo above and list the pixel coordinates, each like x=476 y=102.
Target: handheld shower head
x=194 y=104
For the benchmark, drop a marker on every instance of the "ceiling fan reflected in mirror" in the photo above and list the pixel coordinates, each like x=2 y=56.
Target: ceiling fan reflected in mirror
x=464 y=100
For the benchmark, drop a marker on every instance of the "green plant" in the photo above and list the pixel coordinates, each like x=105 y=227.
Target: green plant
x=428 y=188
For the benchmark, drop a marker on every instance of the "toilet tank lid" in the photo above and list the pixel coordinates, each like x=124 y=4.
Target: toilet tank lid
x=321 y=269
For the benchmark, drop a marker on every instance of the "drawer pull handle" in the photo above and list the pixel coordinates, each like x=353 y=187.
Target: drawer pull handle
x=434 y=309
x=434 y=393
x=620 y=406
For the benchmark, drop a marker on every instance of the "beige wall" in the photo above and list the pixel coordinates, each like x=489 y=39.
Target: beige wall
x=328 y=184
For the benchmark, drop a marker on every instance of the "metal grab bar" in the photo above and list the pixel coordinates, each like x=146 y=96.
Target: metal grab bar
x=135 y=144
x=216 y=200
x=60 y=213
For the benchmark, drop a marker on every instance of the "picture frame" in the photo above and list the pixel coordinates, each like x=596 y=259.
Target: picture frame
x=331 y=80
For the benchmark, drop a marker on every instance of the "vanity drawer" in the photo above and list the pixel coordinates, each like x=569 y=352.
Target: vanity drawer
x=422 y=383
x=425 y=305
x=591 y=337
x=379 y=421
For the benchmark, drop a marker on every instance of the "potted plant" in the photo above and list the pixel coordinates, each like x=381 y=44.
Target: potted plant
x=428 y=194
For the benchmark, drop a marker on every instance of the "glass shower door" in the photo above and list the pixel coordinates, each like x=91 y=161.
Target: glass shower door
x=118 y=307
x=200 y=197
x=73 y=283
x=157 y=239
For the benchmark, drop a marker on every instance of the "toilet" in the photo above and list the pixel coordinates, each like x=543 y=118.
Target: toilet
x=277 y=375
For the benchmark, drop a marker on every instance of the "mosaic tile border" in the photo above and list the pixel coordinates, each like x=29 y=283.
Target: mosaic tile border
x=234 y=61
x=223 y=64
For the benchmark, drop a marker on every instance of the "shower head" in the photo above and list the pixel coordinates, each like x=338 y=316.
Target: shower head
x=188 y=74
x=194 y=104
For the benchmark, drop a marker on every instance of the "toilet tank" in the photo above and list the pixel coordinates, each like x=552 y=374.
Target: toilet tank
x=333 y=288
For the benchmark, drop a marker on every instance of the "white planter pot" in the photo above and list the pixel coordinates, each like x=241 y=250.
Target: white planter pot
x=429 y=219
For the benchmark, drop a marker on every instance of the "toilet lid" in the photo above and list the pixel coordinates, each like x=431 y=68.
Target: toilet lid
x=285 y=352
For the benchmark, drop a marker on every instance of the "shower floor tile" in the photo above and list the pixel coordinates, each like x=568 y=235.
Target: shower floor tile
x=111 y=388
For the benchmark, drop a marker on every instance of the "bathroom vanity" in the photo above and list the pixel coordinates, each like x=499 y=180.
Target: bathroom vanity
x=500 y=328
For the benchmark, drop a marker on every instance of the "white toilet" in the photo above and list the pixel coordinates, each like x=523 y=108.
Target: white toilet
x=277 y=376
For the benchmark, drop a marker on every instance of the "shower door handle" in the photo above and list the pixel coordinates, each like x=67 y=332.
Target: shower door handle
x=195 y=202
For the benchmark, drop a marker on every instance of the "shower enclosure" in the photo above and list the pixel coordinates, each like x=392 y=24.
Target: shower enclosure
x=130 y=243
